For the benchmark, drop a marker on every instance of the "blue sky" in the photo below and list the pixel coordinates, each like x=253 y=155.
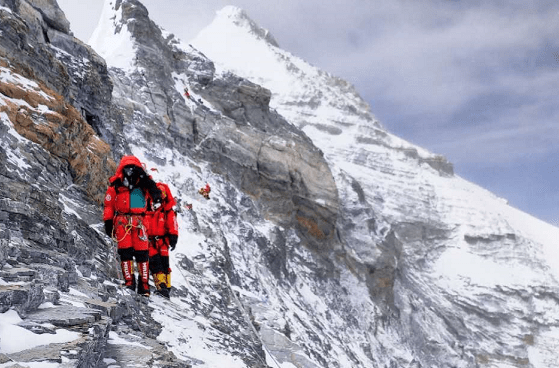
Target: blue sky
x=475 y=81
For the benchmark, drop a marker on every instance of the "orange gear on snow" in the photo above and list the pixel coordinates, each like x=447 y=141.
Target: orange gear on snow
x=205 y=191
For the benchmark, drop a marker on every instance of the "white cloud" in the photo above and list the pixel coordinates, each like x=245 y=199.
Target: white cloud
x=436 y=69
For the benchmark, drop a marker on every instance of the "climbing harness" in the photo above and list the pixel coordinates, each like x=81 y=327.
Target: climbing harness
x=129 y=226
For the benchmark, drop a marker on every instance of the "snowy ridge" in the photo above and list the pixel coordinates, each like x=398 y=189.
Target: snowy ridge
x=424 y=270
x=490 y=247
x=239 y=17
x=332 y=113
x=304 y=94
x=111 y=38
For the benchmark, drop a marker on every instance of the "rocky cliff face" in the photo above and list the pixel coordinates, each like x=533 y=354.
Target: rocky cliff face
x=327 y=242
x=229 y=124
x=53 y=91
x=439 y=256
x=62 y=126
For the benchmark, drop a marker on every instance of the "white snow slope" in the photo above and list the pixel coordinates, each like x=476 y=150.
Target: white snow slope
x=494 y=246
x=491 y=279
x=339 y=123
x=119 y=52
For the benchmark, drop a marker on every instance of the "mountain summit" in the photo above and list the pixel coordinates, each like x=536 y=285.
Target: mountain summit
x=446 y=262
x=327 y=240
x=237 y=16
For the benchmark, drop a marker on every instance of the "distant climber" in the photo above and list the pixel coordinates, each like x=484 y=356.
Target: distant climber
x=186 y=94
x=126 y=201
x=205 y=191
x=163 y=236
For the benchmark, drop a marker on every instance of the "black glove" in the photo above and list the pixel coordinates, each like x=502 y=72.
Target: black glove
x=157 y=204
x=173 y=241
x=109 y=227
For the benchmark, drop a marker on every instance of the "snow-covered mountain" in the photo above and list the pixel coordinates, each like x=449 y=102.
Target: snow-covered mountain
x=463 y=250
x=327 y=241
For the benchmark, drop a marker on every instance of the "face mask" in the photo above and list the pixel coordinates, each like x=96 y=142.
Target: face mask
x=128 y=171
x=131 y=175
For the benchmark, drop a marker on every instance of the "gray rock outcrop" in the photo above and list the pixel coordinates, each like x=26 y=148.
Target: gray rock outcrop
x=53 y=176
x=307 y=257
x=36 y=40
x=59 y=109
x=234 y=129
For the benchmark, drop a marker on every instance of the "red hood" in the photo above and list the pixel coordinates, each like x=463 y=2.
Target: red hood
x=168 y=200
x=124 y=161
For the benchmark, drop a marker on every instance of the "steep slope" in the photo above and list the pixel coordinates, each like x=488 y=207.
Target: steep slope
x=364 y=252
x=60 y=300
x=465 y=276
x=231 y=114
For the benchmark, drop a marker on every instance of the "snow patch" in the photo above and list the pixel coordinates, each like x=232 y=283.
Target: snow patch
x=117 y=48
x=6 y=76
x=14 y=338
x=3 y=8
x=32 y=365
x=69 y=205
x=181 y=82
x=460 y=269
x=115 y=339
x=17 y=161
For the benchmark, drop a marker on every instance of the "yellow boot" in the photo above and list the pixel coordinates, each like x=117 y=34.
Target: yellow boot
x=168 y=280
x=161 y=284
x=159 y=280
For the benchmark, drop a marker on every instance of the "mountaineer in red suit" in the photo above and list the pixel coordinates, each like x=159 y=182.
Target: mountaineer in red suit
x=126 y=203
x=163 y=236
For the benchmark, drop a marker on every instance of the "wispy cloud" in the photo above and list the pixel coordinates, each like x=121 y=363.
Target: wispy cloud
x=431 y=67
x=518 y=119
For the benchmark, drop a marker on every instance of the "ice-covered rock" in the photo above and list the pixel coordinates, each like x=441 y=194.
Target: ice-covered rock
x=437 y=254
x=226 y=122
x=326 y=241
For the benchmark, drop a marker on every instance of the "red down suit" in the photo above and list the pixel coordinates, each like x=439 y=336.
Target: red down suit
x=126 y=205
x=163 y=222
x=163 y=236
